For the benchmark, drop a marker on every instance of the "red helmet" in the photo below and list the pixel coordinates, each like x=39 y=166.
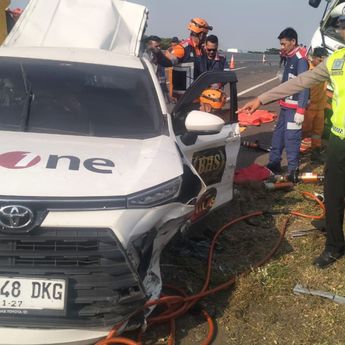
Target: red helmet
x=199 y=25
x=215 y=97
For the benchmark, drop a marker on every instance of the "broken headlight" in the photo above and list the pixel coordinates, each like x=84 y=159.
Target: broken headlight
x=156 y=195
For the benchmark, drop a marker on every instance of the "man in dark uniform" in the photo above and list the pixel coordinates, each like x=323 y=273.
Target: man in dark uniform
x=211 y=59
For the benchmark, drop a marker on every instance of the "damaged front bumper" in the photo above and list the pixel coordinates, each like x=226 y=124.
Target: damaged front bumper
x=108 y=259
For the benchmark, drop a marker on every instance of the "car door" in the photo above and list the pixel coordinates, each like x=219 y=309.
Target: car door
x=213 y=156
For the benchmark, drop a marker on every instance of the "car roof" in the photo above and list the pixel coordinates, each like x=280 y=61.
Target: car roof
x=91 y=56
x=113 y=25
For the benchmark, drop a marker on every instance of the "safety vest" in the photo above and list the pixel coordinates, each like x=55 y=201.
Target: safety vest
x=336 y=69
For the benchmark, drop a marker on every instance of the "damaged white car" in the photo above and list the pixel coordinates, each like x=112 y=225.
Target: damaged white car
x=96 y=175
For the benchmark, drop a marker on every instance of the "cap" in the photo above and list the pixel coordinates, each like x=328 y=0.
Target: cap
x=175 y=40
x=341 y=22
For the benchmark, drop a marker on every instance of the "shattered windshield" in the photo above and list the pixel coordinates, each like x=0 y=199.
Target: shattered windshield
x=77 y=99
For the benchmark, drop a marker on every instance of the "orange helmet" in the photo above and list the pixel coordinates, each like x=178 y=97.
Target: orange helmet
x=199 y=25
x=215 y=97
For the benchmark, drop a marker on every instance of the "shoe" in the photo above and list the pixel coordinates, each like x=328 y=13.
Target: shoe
x=293 y=176
x=319 y=224
x=275 y=168
x=305 y=145
x=327 y=258
x=316 y=156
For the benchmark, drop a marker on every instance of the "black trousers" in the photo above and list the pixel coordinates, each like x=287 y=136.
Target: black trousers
x=334 y=192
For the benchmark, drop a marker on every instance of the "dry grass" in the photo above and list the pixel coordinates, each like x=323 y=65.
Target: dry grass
x=262 y=308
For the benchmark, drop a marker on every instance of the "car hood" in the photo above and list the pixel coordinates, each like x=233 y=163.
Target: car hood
x=73 y=166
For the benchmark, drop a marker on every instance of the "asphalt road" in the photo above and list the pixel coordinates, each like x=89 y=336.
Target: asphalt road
x=254 y=79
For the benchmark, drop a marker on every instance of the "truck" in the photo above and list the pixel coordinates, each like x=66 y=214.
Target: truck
x=97 y=176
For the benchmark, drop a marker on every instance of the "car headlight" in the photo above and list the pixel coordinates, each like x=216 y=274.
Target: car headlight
x=156 y=195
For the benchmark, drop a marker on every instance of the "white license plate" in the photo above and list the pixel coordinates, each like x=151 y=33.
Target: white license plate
x=32 y=294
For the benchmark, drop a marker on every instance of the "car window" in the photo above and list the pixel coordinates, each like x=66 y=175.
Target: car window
x=194 y=104
x=329 y=27
x=77 y=99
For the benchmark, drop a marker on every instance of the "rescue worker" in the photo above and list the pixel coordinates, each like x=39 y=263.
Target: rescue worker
x=313 y=125
x=174 y=42
x=332 y=70
x=288 y=131
x=192 y=47
x=212 y=101
x=211 y=59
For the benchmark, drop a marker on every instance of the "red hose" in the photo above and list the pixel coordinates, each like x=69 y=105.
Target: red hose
x=179 y=304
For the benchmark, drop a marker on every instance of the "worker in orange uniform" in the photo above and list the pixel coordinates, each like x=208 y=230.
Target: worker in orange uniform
x=191 y=48
x=313 y=125
x=212 y=101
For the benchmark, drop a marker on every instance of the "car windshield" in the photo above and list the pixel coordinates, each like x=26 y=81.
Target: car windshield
x=329 y=26
x=77 y=99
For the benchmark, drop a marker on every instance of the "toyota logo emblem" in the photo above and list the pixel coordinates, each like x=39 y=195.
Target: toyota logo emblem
x=15 y=217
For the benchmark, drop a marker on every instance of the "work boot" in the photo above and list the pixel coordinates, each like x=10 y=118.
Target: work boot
x=293 y=176
x=327 y=258
x=319 y=224
x=316 y=156
x=305 y=145
x=275 y=168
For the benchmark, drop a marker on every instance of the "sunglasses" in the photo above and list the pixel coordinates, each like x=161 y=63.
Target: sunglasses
x=211 y=50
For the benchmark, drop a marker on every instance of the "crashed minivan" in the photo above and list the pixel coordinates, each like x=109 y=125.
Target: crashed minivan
x=326 y=34
x=96 y=175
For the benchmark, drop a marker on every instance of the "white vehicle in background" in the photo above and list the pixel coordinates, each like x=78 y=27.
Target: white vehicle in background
x=326 y=34
x=96 y=175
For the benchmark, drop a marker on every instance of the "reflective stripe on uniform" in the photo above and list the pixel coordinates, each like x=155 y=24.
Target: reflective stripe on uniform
x=336 y=69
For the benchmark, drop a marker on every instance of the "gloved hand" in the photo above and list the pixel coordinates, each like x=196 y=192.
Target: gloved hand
x=299 y=118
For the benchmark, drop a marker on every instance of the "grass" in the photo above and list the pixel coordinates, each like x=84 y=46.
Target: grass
x=261 y=308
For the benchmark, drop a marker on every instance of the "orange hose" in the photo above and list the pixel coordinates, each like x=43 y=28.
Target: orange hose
x=179 y=305
x=313 y=197
x=211 y=329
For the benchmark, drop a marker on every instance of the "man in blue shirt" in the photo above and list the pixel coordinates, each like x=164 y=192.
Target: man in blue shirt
x=288 y=131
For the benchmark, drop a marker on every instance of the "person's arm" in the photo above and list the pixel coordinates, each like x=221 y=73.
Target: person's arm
x=178 y=52
x=163 y=60
x=303 y=95
x=305 y=80
x=171 y=57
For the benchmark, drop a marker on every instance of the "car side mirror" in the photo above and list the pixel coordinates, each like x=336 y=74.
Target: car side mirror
x=314 y=3
x=201 y=123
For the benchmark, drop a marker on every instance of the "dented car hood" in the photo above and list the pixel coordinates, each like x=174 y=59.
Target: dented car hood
x=73 y=166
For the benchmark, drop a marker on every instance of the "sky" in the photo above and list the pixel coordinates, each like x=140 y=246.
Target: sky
x=242 y=24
